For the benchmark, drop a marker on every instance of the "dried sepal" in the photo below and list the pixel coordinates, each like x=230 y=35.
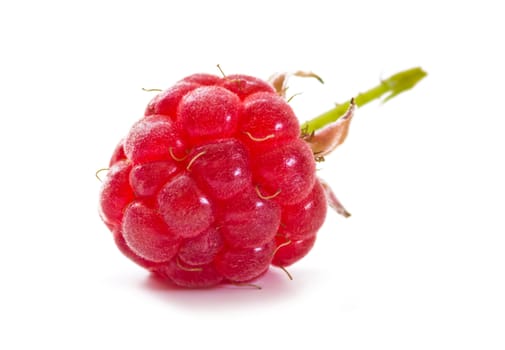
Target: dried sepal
x=325 y=140
x=332 y=199
x=279 y=81
x=305 y=74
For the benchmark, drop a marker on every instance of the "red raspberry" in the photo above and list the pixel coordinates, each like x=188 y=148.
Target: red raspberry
x=214 y=184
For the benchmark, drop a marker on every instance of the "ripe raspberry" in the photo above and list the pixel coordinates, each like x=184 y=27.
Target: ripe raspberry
x=214 y=184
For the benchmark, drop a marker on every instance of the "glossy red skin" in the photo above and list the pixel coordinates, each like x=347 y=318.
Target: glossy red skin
x=148 y=178
x=210 y=185
x=203 y=249
x=248 y=221
x=116 y=194
x=267 y=117
x=222 y=168
x=290 y=252
x=166 y=102
x=147 y=234
x=151 y=138
x=290 y=170
x=185 y=208
x=305 y=218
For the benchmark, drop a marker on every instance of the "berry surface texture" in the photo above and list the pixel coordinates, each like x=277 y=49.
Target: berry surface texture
x=214 y=184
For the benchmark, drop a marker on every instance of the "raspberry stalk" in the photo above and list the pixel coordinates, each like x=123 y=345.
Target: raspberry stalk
x=392 y=86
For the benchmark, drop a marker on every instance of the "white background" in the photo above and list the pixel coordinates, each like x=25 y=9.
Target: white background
x=419 y=265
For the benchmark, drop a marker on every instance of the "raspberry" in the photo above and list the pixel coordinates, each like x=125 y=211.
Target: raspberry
x=211 y=184
x=216 y=182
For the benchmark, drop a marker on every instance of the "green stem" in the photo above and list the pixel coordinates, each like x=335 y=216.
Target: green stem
x=394 y=85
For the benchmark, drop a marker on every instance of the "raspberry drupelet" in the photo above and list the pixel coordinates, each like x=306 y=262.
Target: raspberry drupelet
x=214 y=184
